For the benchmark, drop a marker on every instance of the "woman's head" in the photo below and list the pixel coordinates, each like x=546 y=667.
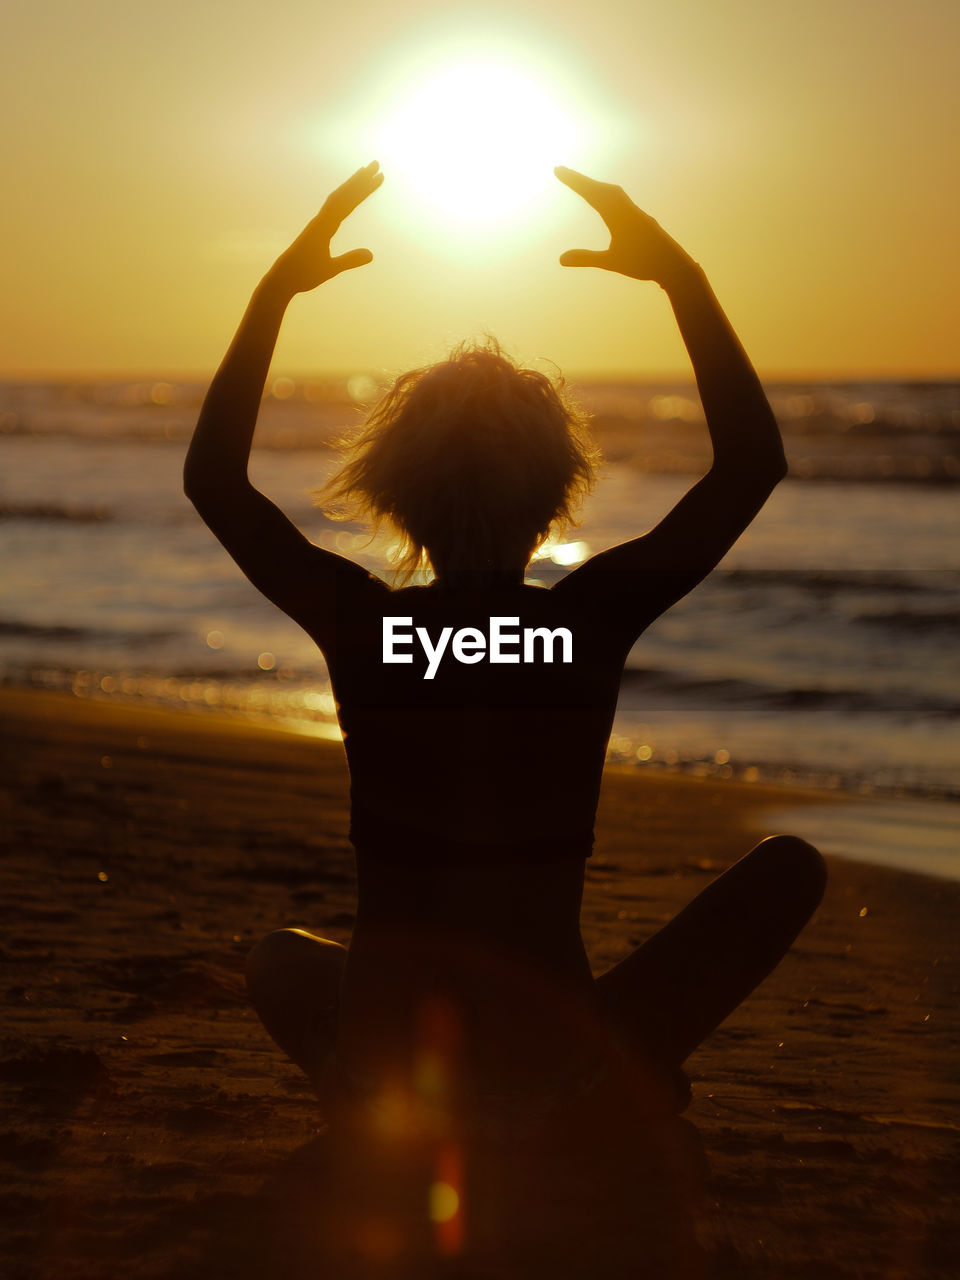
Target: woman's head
x=471 y=461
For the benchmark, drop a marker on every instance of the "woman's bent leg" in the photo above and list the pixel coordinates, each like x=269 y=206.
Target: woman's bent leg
x=293 y=978
x=669 y=994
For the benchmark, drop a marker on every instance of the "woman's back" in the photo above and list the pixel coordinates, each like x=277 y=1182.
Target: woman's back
x=476 y=721
x=475 y=771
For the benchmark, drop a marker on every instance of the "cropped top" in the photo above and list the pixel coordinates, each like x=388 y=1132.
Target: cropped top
x=475 y=722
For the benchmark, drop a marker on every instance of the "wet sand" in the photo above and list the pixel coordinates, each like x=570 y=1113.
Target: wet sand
x=147 y=1120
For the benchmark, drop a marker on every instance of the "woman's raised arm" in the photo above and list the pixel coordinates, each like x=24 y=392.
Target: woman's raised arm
x=273 y=554
x=748 y=458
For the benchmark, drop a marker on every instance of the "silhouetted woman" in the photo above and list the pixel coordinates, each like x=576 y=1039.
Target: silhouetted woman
x=476 y=710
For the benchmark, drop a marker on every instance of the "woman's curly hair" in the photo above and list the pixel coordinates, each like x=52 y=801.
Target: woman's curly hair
x=472 y=460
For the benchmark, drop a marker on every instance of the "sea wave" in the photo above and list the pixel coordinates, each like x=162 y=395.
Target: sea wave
x=678 y=690
x=38 y=631
x=54 y=511
x=914 y=621
x=842 y=581
x=904 y=432
x=19 y=628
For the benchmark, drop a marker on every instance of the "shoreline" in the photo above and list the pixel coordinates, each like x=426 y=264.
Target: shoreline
x=146 y=1114
x=873 y=827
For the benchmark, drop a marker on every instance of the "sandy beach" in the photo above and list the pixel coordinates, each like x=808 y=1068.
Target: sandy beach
x=146 y=1115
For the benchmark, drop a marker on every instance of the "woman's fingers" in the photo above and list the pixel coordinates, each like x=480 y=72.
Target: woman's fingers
x=365 y=181
x=308 y=262
x=584 y=258
x=599 y=195
x=639 y=246
x=611 y=202
x=589 y=188
x=342 y=202
x=347 y=261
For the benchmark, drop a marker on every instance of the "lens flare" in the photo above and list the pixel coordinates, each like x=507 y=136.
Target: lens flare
x=443 y=1202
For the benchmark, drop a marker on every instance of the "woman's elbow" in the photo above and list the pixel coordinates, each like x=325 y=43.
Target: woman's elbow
x=200 y=487
x=747 y=469
x=192 y=483
x=769 y=464
x=779 y=469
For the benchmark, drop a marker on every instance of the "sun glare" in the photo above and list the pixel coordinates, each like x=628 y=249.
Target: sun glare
x=475 y=142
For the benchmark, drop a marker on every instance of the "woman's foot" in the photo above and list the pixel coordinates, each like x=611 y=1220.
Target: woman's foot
x=293 y=979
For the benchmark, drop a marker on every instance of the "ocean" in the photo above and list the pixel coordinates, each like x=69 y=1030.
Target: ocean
x=821 y=652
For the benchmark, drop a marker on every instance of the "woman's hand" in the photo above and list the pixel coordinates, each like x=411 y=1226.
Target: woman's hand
x=307 y=263
x=639 y=246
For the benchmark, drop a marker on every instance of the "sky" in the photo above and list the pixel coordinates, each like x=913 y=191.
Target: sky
x=159 y=155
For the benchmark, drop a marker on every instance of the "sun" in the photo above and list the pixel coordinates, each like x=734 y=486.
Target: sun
x=474 y=143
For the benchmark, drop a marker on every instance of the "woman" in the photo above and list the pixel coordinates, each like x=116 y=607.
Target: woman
x=476 y=712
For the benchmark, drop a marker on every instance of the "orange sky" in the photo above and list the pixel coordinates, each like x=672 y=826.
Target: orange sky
x=157 y=155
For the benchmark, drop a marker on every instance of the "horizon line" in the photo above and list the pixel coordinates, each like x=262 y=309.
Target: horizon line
x=580 y=376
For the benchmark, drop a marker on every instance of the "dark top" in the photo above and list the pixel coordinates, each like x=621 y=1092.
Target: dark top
x=485 y=761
